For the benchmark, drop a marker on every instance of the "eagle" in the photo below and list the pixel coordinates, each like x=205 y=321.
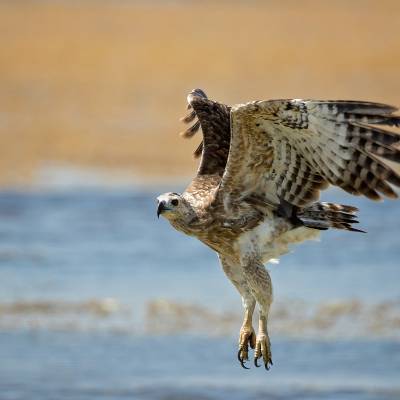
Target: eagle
x=263 y=165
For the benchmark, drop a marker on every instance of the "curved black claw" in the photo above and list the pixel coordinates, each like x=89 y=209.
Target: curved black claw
x=241 y=360
x=267 y=367
x=256 y=363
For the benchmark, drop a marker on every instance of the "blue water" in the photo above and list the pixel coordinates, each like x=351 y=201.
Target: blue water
x=80 y=270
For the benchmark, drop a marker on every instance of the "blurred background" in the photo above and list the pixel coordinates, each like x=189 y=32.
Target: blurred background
x=98 y=299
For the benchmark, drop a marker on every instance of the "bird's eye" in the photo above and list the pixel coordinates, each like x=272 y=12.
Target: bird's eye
x=174 y=202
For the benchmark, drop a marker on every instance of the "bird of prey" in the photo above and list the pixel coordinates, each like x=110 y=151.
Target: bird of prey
x=263 y=165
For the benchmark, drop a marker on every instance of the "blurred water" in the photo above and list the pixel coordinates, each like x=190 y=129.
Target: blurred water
x=99 y=299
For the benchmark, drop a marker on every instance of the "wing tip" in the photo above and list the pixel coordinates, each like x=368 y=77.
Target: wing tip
x=195 y=94
x=191 y=131
x=189 y=117
x=197 y=153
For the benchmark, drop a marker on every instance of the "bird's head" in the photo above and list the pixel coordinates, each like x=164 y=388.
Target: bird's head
x=173 y=206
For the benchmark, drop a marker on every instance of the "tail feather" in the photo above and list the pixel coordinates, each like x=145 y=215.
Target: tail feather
x=329 y=215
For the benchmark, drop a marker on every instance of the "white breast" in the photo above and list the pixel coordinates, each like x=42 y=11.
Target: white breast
x=272 y=238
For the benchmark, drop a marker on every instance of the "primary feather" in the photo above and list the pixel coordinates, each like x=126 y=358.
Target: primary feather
x=295 y=148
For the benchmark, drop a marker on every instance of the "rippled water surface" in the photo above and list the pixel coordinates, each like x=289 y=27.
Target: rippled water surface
x=100 y=300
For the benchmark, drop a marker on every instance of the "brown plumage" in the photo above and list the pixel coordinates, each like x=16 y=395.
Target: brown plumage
x=263 y=165
x=309 y=145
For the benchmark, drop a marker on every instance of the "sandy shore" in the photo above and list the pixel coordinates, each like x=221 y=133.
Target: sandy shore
x=102 y=84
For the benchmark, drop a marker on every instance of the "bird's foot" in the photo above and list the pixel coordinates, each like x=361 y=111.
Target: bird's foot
x=263 y=350
x=247 y=337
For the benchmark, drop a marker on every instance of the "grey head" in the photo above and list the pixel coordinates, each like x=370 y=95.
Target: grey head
x=174 y=207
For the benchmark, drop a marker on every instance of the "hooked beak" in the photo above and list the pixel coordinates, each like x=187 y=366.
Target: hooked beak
x=161 y=207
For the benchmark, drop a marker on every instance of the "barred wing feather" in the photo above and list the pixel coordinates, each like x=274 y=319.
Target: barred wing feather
x=289 y=150
x=214 y=120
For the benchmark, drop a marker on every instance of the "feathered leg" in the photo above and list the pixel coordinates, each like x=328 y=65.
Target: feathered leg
x=247 y=336
x=260 y=283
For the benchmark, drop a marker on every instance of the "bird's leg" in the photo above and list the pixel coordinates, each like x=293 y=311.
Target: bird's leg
x=263 y=345
x=260 y=283
x=247 y=336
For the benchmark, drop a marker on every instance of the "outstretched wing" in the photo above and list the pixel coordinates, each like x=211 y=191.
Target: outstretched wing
x=214 y=120
x=286 y=151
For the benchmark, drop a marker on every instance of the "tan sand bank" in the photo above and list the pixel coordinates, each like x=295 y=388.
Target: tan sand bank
x=102 y=84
